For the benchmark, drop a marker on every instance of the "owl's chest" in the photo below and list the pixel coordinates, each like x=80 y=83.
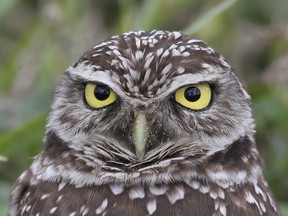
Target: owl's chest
x=190 y=198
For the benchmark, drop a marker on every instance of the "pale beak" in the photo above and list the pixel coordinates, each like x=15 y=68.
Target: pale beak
x=140 y=132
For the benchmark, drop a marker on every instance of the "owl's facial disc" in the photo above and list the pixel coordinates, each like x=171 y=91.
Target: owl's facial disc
x=191 y=101
x=144 y=134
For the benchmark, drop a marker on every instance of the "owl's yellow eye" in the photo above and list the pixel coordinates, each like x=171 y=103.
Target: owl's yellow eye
x=98 y=95
x=195 y=97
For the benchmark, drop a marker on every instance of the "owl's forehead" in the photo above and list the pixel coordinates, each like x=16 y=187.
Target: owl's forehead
x=146 y=64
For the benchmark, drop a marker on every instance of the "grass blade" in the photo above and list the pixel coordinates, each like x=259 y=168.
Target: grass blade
x=202 y=20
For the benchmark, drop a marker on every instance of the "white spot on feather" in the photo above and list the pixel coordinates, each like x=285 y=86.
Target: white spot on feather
x=271 y=202
x=116 y=188
x=116 y=52
x=52 y=210
x=149 y=58
x=136 y=192
x=102 y=207
x=154 y=84
x=135 y=74
x=217 y=204
x=146 y=76
x=72 y=213
x=166 y=53
x=172 y=47
x=59 y=198
x=109 y=52
x=204 y=189
x=138 y=43
x=213 y=195
x=185 y=54
x=151 y=206
x=27 y=194
x=61 y=185
x=262 y=207
x=50 y=171
x=176 y=35
x=166 y=69
x=176 y=193
x=222 y=209
x=84 y=210
x=251 y=199
x=194 y=41
x=194 y=184
x=44 y=196
x=159 y=51
x=182 y=48
x=176 y=52
x=139 y=55
x=22 y=176
x=154 y=41
x=221 y=194
x=23 y=209
x=158 y=190
x=114 y=62
x=259 y=191
x=208 y=67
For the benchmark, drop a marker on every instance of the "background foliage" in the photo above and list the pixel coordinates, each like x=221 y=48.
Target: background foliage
x=39 y=39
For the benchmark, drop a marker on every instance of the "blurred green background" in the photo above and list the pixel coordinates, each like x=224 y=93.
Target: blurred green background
x=39 y=39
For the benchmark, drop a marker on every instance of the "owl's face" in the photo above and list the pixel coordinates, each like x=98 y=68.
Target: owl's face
x=144 y=101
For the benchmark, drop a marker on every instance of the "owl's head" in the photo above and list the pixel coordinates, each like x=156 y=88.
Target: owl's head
x=142 y=100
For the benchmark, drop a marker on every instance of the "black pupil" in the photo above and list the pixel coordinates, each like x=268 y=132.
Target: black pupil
x=192 y=94
x=102 y=92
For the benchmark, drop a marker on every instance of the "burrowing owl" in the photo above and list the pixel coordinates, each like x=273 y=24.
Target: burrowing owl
x=147 y=123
